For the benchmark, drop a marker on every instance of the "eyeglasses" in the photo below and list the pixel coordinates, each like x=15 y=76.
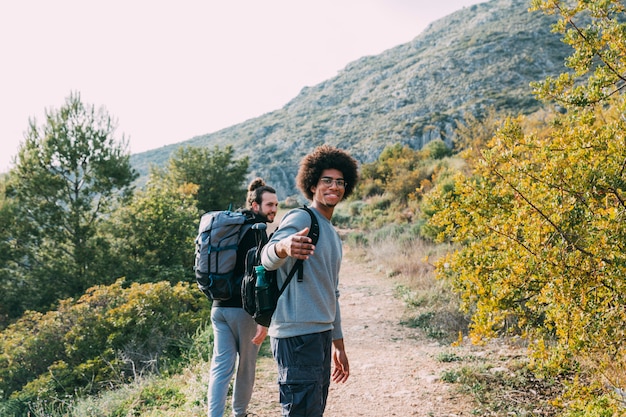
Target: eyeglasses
x=327 y=181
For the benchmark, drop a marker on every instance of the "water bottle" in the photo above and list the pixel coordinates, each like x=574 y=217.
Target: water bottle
x=260 y=276
x=262 y=289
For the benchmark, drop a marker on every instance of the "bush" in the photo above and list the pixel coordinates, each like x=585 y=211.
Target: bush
x=540 y=226
x=436 y=149
x=109 y=336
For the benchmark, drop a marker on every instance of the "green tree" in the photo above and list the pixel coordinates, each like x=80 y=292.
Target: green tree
x=11 y=294
x=69 y=173
x=472 y=132
x=153 y=236
x=436 y=149
x=220 y=177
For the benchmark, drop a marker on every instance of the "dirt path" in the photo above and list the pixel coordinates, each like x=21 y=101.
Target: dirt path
x=394 y=369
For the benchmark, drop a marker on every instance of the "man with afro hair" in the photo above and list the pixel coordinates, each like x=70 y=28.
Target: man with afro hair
x=306 y=327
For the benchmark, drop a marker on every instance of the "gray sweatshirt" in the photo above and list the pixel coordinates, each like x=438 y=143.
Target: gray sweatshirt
x=310 y=306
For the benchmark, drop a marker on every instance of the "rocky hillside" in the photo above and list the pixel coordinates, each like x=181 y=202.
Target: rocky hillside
x=481 y=56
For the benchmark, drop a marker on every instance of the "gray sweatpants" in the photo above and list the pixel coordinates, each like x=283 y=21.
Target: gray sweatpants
x=233 y=330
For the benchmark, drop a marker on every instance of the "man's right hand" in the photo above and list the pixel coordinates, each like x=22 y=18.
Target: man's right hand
x=298 y=246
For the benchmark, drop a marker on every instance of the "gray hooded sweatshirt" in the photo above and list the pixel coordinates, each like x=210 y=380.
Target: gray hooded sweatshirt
x=310 y=306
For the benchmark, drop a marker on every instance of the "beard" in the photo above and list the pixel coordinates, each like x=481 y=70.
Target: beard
x=264 y=217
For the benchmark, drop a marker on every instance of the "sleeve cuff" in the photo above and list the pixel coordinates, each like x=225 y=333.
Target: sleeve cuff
x=270 y=259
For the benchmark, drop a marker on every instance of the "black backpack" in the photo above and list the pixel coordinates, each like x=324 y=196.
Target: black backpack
x=219 y=235
x=249 y=291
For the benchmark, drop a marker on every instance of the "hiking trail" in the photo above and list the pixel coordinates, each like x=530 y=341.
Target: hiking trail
x=394 y=369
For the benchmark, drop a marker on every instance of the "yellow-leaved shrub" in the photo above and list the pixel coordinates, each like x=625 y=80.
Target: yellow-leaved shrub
x=541 y=222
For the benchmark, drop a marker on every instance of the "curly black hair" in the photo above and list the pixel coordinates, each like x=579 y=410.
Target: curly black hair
x=326 y=157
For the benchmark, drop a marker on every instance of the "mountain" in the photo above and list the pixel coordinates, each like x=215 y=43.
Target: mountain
x=480 y=56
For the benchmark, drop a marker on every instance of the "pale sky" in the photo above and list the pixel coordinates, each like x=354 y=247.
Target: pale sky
x=169 y=71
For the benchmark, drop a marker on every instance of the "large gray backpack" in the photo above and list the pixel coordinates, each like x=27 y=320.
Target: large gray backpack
x=217 y=242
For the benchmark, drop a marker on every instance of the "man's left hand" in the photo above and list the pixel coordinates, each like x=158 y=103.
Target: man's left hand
x=259 y=337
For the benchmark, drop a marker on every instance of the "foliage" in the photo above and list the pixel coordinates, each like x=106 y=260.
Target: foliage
x=541 y=220
x=393 y=186
x=473 y=132
x=171 y=396
x=11 y=293
x=436 y=149
x=152 y=236
x=596 y=30
x=400 y=171
x=110 y=336
x=69 y=172
x=220 y=177
x=542 y=224
x=505 y=386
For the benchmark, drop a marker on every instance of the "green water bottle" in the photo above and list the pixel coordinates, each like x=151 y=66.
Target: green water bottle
x=260 y=276
x=263 y=298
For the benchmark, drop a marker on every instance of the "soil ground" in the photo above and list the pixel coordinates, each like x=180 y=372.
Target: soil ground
x=394 y=369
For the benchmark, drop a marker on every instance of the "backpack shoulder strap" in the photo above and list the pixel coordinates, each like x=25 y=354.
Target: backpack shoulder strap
x=247 y=223
x=314 y=234
x=314 y=230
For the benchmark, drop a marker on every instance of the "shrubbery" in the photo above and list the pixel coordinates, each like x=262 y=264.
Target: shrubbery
x=541 y=226
x=391 y=188
x=108 y=337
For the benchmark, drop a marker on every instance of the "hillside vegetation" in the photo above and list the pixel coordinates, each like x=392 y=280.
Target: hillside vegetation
x=481 y=57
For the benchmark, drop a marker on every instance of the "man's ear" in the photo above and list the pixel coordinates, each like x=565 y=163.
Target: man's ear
x=255 y=207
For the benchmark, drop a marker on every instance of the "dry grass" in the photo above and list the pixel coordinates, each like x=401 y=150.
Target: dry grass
x=431 y=304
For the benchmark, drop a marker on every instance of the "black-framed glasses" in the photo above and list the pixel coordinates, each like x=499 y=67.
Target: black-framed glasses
x=327 y=181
